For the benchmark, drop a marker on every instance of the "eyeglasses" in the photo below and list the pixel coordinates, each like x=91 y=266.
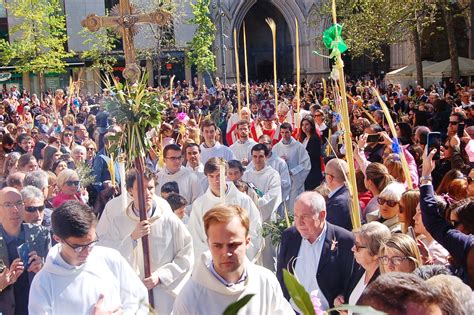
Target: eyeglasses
x=317 y=115
x=395 y=260
x=174 y=158
x=11 y=205
x=454 y=123
x=358 y=247
x=469 y=180
x=33 y=209
x=81 y=248
x=72 y=183
x=68 y=134
x=390 y=203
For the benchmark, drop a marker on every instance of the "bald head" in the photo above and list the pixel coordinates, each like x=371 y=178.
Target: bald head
x=338 y=170
x=11 y=210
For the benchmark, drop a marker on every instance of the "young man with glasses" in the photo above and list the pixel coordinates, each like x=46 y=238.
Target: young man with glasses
x=35 y=242
x=79 y=277
x=174 y=171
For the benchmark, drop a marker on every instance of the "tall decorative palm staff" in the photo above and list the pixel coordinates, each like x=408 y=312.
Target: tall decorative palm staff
x=273 y=28
x=247 y=92
x=298 y=71
x=138 y=110
x=237 y=73
x=333 y=41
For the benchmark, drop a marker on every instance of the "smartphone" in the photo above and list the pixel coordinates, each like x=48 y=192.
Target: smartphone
x=461 y=130
x=2 y=265
x=374 y=138
x=434 y=142
x=24 y=254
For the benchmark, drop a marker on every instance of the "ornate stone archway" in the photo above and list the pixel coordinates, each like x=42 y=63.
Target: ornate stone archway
x=234 y=12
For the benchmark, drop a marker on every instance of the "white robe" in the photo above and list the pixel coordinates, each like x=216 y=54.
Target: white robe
x=171 y=251
x=299 y=166
x=232 y=197
x=199 y=171
x=205 y=294
x=60 y=288
x=243 y=150
x=188 y=183
x=279 y=165
x=218 y=150
x=267 y=181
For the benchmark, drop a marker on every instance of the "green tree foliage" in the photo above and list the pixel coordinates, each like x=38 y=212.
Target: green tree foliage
x=371 y=24
x=103 y=43
x=200 y=47
x=39 y=38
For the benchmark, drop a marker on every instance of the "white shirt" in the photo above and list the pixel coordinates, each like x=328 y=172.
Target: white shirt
x=218 y=150
x=307 y=264
x=357 y=292
x=242 y=150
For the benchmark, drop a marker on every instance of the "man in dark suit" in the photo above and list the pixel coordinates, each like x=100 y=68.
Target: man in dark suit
x=316 y=251
x=15 y=279
x=337 y=204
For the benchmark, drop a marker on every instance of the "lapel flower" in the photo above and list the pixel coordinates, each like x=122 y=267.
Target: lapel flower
x=334 y=245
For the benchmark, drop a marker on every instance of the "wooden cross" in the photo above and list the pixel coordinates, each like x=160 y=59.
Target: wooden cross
x=124 y=22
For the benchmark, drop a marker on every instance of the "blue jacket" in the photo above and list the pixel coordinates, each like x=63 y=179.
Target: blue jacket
x=39 y=240
x=338 y=209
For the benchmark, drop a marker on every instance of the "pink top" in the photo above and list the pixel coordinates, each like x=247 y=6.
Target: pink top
x=62 y=197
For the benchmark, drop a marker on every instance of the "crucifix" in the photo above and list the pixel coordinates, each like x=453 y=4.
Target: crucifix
x=123 y=20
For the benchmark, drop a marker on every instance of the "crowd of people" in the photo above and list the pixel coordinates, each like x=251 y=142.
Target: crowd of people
x=219 y=178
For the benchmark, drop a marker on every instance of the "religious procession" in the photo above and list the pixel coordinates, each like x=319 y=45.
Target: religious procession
x=250 y=171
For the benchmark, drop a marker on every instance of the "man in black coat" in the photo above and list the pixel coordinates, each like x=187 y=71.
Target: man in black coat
x=316 y=251
x=337 y=204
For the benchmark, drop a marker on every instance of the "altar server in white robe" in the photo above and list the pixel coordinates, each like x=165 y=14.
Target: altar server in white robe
x=171 y=251
x=79 y=277
x=297 y=158
x=225 y=275
x=210 y=147
x=279 y=165
x=266 y=183
x=188 y=183
x=244 y=144
x=192 y=154
x=232 y=196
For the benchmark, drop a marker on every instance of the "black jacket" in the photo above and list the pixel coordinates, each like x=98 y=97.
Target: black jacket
x=335 y=265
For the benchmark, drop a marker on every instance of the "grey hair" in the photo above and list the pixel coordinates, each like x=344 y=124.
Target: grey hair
x=374 y=234
x=31 y=192
x=78 y=148
x=393 y=191
x=339 y=167
x=39 y=179
x=315 y=201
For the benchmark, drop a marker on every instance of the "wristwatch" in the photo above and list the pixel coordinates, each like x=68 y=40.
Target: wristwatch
x=426 y=180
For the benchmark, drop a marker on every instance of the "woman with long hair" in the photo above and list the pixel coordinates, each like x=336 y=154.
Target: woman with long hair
x=377 y=178
x=50 y=155
x=310 y=138
x=398 y=254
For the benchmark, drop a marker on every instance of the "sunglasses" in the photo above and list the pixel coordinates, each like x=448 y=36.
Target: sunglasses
x=33 y=209
x=72 y=183
x=68 y=134
x=390 y=203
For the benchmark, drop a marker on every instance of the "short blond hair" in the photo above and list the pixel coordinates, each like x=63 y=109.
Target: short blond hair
x=64 y=176
x=224 y=214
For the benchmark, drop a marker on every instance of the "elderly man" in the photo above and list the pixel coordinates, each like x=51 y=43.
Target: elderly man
x=39 y=179
x=224 y=275
x=34 y=205
x=31 y=241
x=316 y=251
x=338 y=202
